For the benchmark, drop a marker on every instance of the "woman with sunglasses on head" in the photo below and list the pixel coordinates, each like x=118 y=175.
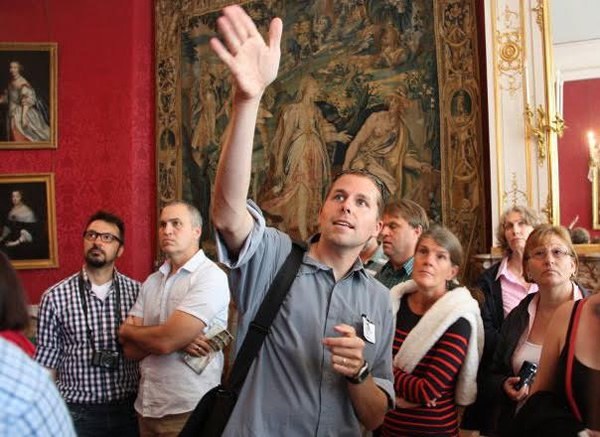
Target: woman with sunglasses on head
x=437 y=344
x=550 y=261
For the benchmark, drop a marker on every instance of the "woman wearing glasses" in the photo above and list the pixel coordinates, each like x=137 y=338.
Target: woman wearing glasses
x=550 y=261
x=566 y=393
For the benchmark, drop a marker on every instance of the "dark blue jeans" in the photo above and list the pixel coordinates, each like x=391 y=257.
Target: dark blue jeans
x=100 y=420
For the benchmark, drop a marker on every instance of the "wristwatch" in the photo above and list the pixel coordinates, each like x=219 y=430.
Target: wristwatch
x=361 y=375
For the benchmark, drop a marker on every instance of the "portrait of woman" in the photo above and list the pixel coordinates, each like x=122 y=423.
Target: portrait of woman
x=27 y=117
x=27 y=219
x=21 y=225
x=28 y=95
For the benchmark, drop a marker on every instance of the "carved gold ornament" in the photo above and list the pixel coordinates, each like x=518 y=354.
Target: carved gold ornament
x=510 y=62
x=539 y=126
x=515 y=196
x=539 y=15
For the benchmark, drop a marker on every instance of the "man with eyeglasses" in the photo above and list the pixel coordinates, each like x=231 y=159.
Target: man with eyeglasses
x=77 y=339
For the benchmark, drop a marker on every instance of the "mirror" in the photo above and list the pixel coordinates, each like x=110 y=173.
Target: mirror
x=576 y=42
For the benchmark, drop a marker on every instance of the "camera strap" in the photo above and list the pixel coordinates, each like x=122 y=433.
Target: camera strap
x=82 y=295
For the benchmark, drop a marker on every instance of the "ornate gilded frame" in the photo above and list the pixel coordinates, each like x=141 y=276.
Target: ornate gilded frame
x=37 y=190
x=461 y=145
x=39 y=63
x=595 y=199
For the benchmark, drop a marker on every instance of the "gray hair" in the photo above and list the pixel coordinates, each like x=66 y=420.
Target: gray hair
x=195 y=215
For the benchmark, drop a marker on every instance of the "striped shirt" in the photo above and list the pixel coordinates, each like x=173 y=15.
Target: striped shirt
x=63 y=342
x=433 y=378
x=29 y=402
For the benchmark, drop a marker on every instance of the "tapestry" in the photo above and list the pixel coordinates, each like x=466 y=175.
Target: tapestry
x=361 y=84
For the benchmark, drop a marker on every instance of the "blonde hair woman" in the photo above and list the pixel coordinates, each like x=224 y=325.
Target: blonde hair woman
x=550 y=261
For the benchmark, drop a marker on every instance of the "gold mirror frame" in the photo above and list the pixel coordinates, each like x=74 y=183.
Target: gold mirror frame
x=595 y=202
x=553 y=203
x=552 y=104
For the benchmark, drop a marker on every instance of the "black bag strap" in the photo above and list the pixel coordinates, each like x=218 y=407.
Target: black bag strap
x=259 y=328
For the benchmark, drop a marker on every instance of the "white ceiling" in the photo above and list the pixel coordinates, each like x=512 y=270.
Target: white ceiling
x=574 y=20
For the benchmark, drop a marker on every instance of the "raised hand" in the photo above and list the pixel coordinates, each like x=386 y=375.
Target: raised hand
x=252 y=62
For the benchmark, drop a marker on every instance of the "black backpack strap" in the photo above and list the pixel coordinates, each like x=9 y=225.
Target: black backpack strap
x=259 y=328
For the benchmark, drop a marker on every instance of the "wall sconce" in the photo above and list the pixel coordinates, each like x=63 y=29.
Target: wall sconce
x=540 y=125
x=594 y=149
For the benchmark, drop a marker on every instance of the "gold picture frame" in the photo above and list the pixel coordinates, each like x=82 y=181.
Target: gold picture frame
x=595 y=199
x=28 y=220
x=28 y=95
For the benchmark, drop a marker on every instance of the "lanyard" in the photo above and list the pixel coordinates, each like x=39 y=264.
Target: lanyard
x=82 y=295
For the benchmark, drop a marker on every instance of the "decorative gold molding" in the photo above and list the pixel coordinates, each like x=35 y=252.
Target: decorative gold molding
x=510 y=52
x=595 y=200
x=539 y=126
x=515 y=195
x=539 y=15
x=550 y=103
x=547 y=210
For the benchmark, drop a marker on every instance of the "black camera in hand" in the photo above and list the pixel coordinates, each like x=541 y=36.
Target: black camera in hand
x=526 y=374
x=105 y=359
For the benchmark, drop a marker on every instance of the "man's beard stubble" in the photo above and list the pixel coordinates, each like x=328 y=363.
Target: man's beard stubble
x=93 y=262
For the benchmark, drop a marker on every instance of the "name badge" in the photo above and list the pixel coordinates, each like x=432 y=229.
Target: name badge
x=368 y=329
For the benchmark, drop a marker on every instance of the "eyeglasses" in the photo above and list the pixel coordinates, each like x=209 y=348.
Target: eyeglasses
x=105 y=237
x=557 y=253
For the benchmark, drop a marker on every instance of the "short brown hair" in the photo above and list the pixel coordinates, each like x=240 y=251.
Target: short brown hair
x=444 y=237
x=13 y=305
x=381 y=188
x=412 y=212
x=542 y=233
x=529 y=215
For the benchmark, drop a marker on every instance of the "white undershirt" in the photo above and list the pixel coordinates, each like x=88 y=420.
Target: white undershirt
x=526 y=352
x=102 y=290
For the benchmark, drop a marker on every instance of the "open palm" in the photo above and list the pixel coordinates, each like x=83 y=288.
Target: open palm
x=252 y=62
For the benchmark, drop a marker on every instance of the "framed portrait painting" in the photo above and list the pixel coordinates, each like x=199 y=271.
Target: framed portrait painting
x=28 y=220
x=28 y=95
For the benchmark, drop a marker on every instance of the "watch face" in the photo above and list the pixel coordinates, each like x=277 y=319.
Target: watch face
x=361 y=375
x=363 y=372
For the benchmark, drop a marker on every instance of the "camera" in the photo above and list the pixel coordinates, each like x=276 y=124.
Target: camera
x=526 y=374
x=105 y=359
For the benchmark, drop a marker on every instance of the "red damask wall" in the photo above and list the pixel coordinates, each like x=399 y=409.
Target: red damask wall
x=581 y=105
x=105 y=155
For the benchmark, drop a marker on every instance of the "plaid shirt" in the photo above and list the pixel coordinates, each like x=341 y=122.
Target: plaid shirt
x=29 y=402
x=63 y=343
x=389 y=276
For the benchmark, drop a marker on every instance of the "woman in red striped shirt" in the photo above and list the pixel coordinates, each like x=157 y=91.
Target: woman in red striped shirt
x=438 y=342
